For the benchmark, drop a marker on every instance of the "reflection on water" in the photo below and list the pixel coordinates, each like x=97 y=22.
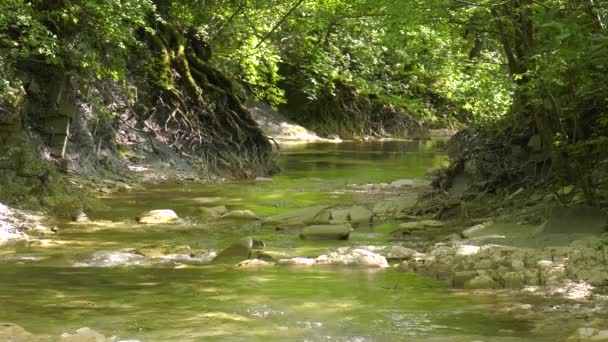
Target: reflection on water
x=54 y=289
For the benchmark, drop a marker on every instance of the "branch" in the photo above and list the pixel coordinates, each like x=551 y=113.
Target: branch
x=279 y=23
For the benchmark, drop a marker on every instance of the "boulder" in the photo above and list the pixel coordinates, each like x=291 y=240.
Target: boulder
x=357 y=257
x=157 y=217
x=482 y=282
x=395 y=206
x=459 y=279
x=240 y=215
x=325 y=232
x=238 y=251
x=213 y=212
x=83 y=335
x=360 y=215
x=319 y=214
x=80 y=216
x=254 y=263
x=340 y=216
x=513 y=280
x=296 y=262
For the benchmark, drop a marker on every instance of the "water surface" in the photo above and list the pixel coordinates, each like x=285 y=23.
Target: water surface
x=62 y=288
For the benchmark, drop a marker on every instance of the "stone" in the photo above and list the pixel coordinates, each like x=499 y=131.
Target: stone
x=325 y=232
x=296 y=262
x=13 y=333
x=409 y=182
x=357 y=257
x=476 y=230
x=264 y=179
x=213 y=212
x=389 y=252
x=460 y=278
x=432 y=223
x=254 y=263
x=157 y=217
x=238 y=251
x=80 y=216
x=300 y=218
x=83 y=335
x=240 y=215
x=482 y=282
x=360 y=215
x=395 y=206
x=513 y=280
x=340 y=216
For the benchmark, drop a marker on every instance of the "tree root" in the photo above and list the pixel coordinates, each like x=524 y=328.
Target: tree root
x=197 y=106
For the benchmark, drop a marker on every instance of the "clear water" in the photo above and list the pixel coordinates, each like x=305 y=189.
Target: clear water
x=50 y=290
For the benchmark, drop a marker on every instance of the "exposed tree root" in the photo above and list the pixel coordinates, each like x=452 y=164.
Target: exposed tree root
x=196 y=104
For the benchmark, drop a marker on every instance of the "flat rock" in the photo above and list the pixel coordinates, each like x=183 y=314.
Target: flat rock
x=409 y=182
x=325 y=232
x=356 y=257
x=240 y=215
x=83 y=335
x=296 y=262
x=319 y=214
x=264 y=179
x=254 y=263
x=157 y=216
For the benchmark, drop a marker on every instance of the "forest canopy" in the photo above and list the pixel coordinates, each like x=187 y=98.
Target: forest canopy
x=518 y=65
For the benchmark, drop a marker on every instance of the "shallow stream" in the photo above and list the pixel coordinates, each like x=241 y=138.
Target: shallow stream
x=86 y=277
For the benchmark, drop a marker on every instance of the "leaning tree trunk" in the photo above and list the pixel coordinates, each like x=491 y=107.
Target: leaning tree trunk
x=196 y=105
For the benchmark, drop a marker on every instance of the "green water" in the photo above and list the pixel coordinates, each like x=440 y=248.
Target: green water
x=51 y=290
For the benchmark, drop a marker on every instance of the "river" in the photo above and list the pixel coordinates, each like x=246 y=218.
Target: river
x=86 y=277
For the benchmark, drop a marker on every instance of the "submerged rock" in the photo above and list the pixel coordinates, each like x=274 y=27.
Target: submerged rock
x=319 y=214
x=14 y=333
x=213 y=212
x=325 y=232
x=240 y=215
x=159 y=251
x=112 y=259
x=296 y=262
x=254 y=263
x=239 y=251
x=157 y=216
x=83 y=335
x=356 y=257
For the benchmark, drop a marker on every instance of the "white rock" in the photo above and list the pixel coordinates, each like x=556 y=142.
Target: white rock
x=83 y=335
x=476 y=229
x=467 y=250
x=253 y=263
x=240 y=215
x=264 y=179
x=158 y=216
x=357 y=257
x=296 y=262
